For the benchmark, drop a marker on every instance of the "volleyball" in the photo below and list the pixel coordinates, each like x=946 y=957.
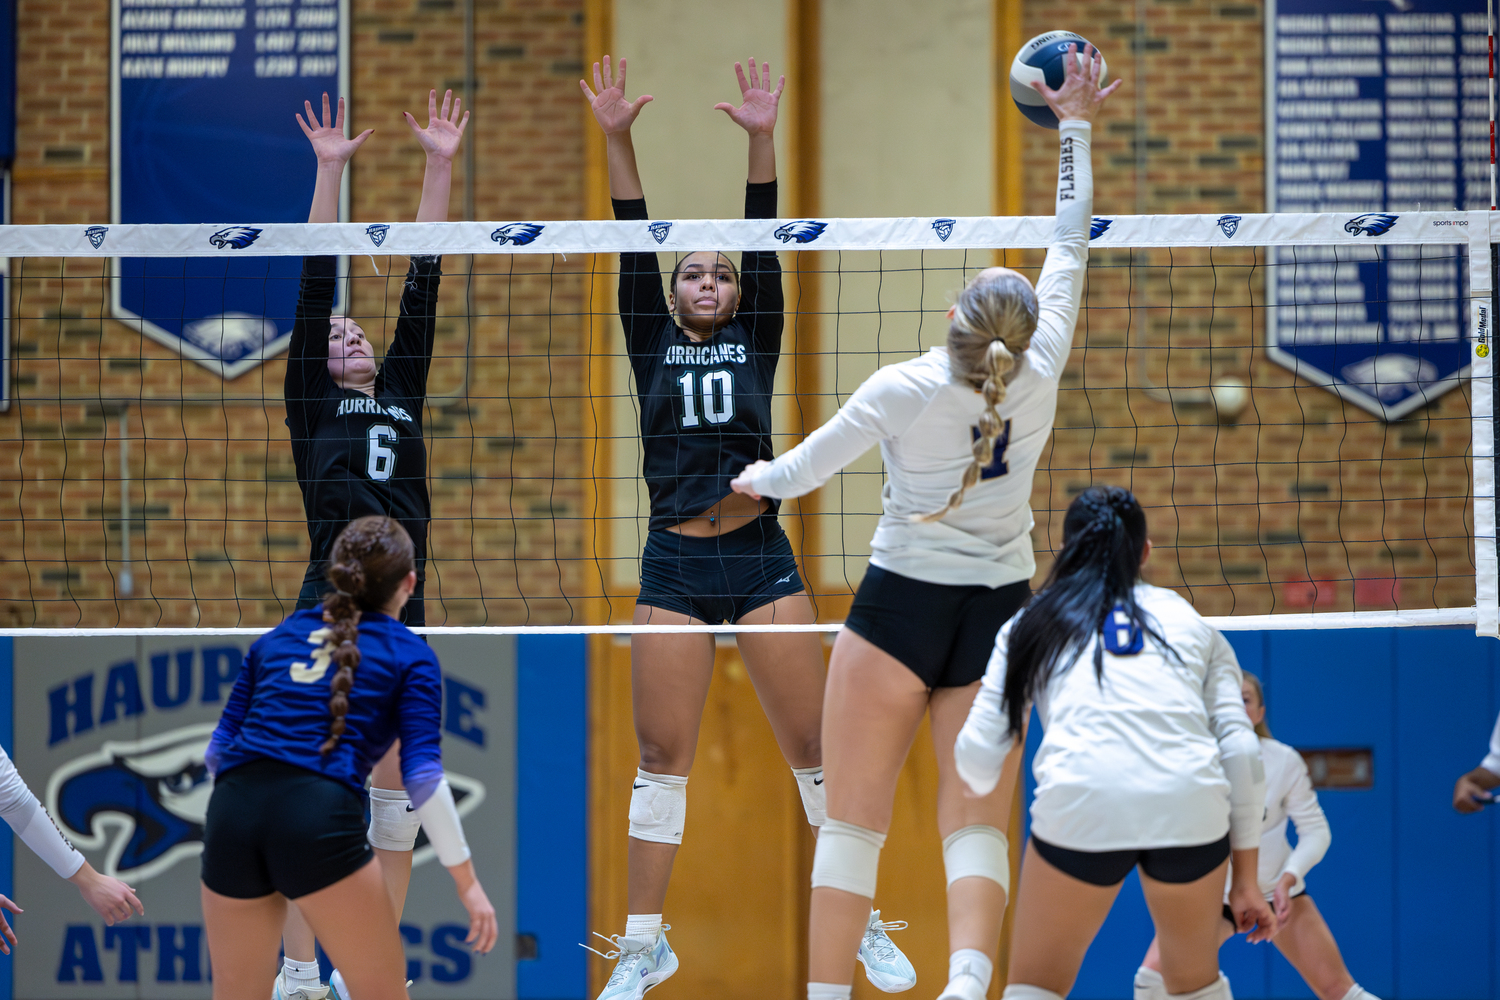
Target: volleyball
x=1041 y=61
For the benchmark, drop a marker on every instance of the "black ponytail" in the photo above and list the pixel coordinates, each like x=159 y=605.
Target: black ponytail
x=1104 y=538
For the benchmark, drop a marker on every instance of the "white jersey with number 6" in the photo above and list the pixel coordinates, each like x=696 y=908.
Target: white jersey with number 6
x=925 y=422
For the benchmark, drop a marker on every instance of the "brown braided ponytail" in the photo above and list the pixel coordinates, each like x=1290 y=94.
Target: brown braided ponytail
x=369 y=560
x=992 y=324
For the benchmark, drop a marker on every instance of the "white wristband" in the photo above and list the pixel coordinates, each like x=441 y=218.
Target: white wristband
x=439 y=816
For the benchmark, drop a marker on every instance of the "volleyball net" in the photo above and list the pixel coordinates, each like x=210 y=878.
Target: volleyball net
x=1302 y=403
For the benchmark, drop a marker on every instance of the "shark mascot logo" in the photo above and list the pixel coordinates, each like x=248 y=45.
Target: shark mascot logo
x=1229 y=225
x=144 y=802
x=96 y=235
x=517 y=233
x=1370 y=224
x=803 y=231
x=1098 y=227
x=659 y=231
x=238 y=237
x=943 y=228
x=377 y=232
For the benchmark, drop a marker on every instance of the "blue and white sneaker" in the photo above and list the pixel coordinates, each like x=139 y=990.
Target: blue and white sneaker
x=642 y=964
x=887 y=969
x=280 y=991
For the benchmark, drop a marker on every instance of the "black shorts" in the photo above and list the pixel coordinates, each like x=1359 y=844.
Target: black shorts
x=944 y=633
x=719 y=579
x=315 y=587
x=1165 y=864
x=272 y=827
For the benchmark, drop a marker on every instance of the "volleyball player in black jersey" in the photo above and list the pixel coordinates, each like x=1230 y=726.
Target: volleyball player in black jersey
x=356 y=435
x=704 y=357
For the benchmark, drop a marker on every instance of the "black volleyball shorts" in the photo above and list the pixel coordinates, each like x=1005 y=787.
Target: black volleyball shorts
x=272 y=827
x=722 y=578
x=1165 y=864
x=944 y=633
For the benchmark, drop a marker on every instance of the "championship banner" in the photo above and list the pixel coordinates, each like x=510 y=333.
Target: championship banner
x=202 y=130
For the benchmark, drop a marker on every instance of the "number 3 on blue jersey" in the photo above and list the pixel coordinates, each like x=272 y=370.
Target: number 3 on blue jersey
x=718 y=397
x=997 y=467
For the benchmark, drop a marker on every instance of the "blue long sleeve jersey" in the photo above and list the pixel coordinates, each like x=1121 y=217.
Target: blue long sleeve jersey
x=279 y=706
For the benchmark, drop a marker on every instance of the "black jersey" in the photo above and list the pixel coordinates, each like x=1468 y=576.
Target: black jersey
x=357 y=455
x=705 y=405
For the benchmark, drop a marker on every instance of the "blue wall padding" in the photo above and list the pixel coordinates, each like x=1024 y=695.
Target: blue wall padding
x=1409 y=887
x=552 y=814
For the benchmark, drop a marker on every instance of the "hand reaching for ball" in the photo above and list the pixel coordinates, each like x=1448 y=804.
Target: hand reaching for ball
x=1080 y=97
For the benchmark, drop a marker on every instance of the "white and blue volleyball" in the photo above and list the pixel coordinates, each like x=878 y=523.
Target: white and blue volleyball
x=1041 y=60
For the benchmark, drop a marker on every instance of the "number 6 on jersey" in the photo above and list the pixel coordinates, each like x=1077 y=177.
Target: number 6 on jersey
x=381 y=464
x=718 y=398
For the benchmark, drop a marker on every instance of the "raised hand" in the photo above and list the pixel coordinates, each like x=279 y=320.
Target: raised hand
x=612 y=111
x=328 y=140
x=758 y=112
x=1080 y=97
x=444 y=130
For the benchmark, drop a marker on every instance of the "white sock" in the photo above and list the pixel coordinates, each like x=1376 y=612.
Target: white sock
x=645 y=926
x=1149 y=985
x=1025 y=991
x=828 y=991
x=1358 y=992
x=970 y=961
x=300 y=973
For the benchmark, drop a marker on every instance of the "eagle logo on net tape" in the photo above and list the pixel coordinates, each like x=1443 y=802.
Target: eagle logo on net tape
x=659 y=231
x=801 y=231
x=1370 y=224
x=144 y=802
x=236 y=237
x=1098 y=227
x=518 y=233
x=377 y=232
x=1228 y=225
x=96 y=235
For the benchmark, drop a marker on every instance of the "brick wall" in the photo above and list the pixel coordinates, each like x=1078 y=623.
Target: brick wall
x=1308 y=502
x=217 y=533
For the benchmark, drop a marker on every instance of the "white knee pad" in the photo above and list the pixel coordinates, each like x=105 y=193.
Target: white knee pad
x=981 y=851
x=658 y=807
x=393 y=824
x=814 y=795
x=1216 y=990
x=1149 y=985
x=1025 y=991
x=847 y=858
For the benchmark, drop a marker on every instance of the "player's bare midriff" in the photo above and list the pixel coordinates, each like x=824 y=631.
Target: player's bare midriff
x=734 y=511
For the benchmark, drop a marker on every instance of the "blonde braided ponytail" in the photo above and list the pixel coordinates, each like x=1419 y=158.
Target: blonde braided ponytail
x=993 y=321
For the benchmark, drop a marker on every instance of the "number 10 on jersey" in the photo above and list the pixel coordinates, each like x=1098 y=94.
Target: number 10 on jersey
x=717 y=390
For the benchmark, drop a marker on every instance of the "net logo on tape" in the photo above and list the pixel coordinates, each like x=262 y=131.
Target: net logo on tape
x=659 y=231
x=237 y=237
x=943 y=228
x=801 y=231
x=377 y=232
x=518 y=233
x=96 y=235
x=1228 y=225
x=1371 y=224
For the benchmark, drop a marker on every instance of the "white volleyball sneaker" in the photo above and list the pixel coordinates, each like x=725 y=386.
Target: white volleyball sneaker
x=886 y=967
x=642 y=964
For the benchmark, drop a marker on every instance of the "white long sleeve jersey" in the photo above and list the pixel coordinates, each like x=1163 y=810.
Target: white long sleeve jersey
x=1289 y=795
x=1132 y=761
x=1491 y=762
x=925 y=420
x=25 y=815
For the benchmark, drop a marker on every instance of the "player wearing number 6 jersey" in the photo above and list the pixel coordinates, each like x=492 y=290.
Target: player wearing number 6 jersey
x=704 y=358
x=356 y=433
x=356 y=427
x=960 y=430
